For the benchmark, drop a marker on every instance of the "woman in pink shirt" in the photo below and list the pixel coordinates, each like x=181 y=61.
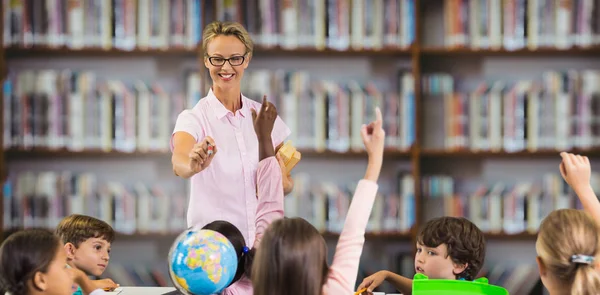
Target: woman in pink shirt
x=292 y=256
x=214 y=143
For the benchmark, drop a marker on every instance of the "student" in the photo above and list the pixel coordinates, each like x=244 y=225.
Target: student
x=447 y=248
x=270 y=202
x=87 y=242
x=33 y=262
x=568 y=243
x=214 y=144
x=292 y=256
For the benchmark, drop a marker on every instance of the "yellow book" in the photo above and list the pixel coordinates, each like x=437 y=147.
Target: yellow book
x=289 y=155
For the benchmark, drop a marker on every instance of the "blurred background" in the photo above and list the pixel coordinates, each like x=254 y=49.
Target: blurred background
x=478 y=96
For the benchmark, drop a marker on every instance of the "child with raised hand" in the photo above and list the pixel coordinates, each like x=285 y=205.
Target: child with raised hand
x=292 y=257
x=87 y=241
x=33 y=262
x=448 y=248
x=270 y=201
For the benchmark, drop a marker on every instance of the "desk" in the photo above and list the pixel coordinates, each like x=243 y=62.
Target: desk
x=164 y=290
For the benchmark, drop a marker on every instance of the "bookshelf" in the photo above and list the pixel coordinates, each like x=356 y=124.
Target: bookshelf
x=427 y=54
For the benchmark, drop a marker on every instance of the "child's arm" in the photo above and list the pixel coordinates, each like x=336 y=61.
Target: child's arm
x=87 y=286
x=268 y=175
x=576 y=171
x=402 y=284
x=343 y=271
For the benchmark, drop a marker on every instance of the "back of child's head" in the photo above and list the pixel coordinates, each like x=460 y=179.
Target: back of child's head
x=76 y=229
x=245 y=254
x=568 y=246
x=291 y=259
x=22 y=255
x=464 y=240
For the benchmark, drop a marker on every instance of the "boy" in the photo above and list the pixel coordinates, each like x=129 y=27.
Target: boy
x=87 y=244
x=447 y=248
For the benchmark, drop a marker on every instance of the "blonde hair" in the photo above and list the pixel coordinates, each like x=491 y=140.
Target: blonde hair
x=565 y=233
x=218 y=28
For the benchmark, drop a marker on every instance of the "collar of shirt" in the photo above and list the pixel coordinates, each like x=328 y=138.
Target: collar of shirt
x=221 y=111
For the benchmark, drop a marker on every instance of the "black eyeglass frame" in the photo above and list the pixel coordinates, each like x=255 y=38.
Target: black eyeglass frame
x=210 y=59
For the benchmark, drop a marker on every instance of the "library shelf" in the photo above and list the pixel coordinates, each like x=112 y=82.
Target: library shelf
x=16 y=154
x=44 y=52
x=441 y=153
x=312 y=52
x=388 y=153
x=523 y=236
x=326 y=235
x=573 y=51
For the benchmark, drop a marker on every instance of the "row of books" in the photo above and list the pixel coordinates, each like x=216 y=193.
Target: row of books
x=325 y=204
x=560 y=110
x=79 y=110
x=158 y=24
x=43 y=198
x=520 y=24
x=335 y=24
x=121 y=24
x=327 y=114
x=497 y=207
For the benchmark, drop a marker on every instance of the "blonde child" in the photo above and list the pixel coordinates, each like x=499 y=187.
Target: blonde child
x=568 y=243
x=33 y=262
x=292 y=256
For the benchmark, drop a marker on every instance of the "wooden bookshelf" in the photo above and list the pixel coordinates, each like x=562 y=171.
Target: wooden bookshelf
x=45 y=52
x=440 y=153
x=471 y=52
x=311 y=52
x=18 y=154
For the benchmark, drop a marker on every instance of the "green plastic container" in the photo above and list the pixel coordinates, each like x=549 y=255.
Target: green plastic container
x=422 y=285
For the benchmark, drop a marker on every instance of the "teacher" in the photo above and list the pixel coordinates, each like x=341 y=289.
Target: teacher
x=215 y=144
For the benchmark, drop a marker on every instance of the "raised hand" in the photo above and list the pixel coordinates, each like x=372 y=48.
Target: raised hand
x=575 y=170
x=263 y=126
x=373 y=135
x=202 y=154
x=265 y=119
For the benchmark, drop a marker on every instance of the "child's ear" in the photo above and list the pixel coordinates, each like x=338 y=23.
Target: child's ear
x=40 y=282
x=459 y=268
x=70 y=250
x=541 y=266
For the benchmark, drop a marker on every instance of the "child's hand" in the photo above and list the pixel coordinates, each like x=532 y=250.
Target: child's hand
x=202 y=154
x=105 y=284
x=265 y=119
x=373 y=281
x=288 y=181
x=575 y=170
x=373 y=136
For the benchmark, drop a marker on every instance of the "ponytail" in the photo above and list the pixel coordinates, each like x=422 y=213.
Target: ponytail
x=586 y=280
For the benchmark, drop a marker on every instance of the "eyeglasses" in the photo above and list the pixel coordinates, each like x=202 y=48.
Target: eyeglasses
x=218 y=61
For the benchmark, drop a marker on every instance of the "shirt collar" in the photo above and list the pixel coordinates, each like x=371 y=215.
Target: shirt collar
x=221 y=111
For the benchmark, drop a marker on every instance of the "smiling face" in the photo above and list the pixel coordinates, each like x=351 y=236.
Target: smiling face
x=91 y=256
x=435 y=262
x=226 y=61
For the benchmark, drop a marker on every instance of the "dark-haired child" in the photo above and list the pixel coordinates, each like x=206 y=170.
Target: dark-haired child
x=270 y=201
x=447 y=248
x=33 y=262
x=87 y=242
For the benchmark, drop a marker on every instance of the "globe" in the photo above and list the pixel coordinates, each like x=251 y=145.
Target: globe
x=202 y=262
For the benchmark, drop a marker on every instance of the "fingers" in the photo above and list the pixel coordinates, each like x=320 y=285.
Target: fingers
x=378 y=118
x=364 y=133
x=566 y=158
x=209 y=140
x=265 y=104
x=563 y=171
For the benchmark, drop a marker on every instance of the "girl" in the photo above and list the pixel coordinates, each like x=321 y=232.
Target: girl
x=33 y=262
x=292 y=257
x=270 y=201
x=214 y=142
x=568 y=244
